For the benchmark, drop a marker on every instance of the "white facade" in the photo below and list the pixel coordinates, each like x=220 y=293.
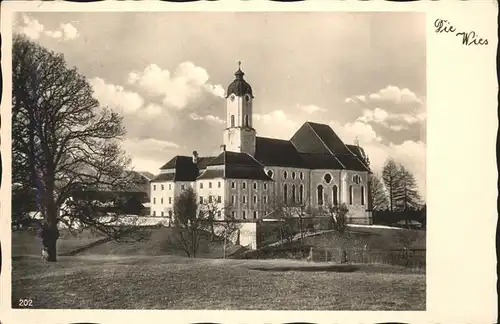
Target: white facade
x=254 y=199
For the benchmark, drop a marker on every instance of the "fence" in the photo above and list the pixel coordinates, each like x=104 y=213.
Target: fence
x=406 y=258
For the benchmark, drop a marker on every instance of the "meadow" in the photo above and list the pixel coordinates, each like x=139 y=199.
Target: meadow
x=173 y=282
x=156 y=275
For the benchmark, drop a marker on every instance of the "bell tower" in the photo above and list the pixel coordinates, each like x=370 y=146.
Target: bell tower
x=239 y=135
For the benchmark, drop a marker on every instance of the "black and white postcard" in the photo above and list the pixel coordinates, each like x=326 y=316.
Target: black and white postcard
x=248 y=162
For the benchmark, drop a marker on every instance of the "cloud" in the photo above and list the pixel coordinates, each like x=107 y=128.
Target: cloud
x=266 y=125
x=149 y=165
x=397 y=128
x=377 y=115
x=151 y=110
x=33 y=29
x=54 y=34
x=116 y=97
x=396 y=95
x=217 y=90
x=361 y=98
x=350 y=132
x=390 y=94
x=392 y=107
x=311 y=109
x=150 y=143
x=69 y=31
x=395 y=121
x=186 y=83
x=211 y=118
x=149 y=154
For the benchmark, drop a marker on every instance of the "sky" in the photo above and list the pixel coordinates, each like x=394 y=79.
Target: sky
x=362 y=73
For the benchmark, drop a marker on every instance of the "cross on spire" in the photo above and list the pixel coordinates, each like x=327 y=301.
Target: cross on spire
x=239 y=74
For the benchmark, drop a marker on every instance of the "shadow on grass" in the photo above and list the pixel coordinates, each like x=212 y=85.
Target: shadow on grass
x=313 y=268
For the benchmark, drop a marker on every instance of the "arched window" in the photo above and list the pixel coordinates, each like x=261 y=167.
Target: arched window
x=285 y=174
x=246 y=121
x=362 y=195
x=293 y=175
x=335 y=195
x=232 y=120
x=270 y=173
x=320 y=195
x=350 y=195
x=293 y=194
x=285 y=194
x=301 y=194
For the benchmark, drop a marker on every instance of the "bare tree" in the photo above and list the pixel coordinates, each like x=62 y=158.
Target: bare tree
x=62 y=139
x=114 y=214
x=219 y=219
x=338 y=219
x=338 y=216
x=291 y=212
x=226 y=228
x=190 y=222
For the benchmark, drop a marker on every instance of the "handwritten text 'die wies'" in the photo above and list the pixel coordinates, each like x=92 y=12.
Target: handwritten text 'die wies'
x=468 y=38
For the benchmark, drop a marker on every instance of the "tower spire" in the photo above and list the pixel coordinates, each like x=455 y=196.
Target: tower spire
x=239 y=74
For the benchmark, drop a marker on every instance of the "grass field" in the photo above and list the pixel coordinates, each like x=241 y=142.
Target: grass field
x=173 y=282
x=28 y=243
x=159 y=243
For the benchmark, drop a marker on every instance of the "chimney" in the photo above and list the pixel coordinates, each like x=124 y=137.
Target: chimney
x=195 y=157
x=223 y=148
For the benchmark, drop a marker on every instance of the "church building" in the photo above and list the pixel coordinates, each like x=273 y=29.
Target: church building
x=252 y=173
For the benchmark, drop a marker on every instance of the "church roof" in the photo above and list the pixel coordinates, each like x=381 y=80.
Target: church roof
x=313 y=146
x=183 y=168
x=235 y=166
x=234 y=158
x=277 y=152
x=239 y=86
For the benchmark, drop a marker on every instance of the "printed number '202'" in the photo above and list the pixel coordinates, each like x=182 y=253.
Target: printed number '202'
x=25 y=302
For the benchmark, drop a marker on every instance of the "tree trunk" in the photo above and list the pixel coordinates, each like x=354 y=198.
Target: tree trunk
x=193 y=244
x=50 y=232
x=343 y=256
x=225 y=240
x=212 y=232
